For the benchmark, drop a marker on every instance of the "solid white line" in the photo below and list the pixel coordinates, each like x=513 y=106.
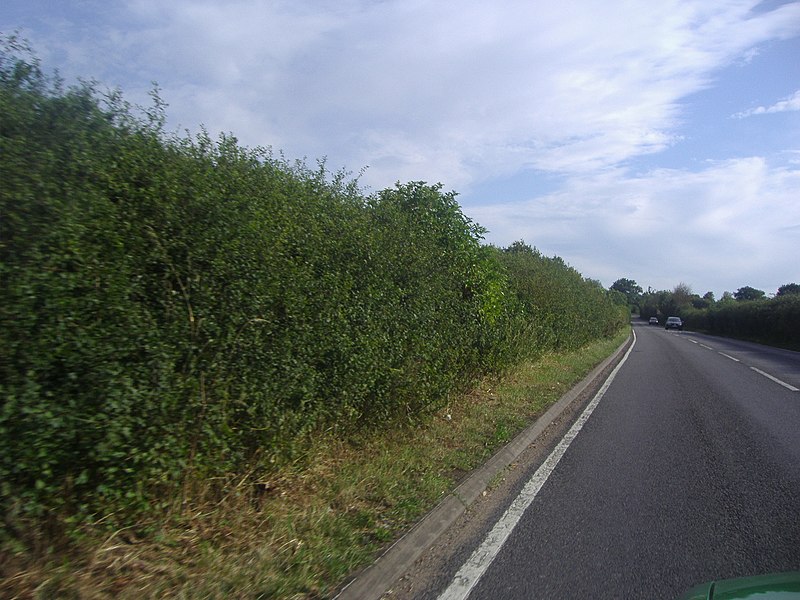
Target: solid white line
x=472 y=570
x=776 y=380
x=729 y=356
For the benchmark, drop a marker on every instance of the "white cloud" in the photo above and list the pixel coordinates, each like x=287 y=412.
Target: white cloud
x=735 y=223
x=467 y=92
x=451 y=92
x=789 y=103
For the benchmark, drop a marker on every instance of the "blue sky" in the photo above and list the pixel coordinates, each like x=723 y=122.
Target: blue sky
x=658 y=141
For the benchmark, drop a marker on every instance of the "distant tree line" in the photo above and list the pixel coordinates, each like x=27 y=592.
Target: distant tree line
x=746 y=313
x=180 y=309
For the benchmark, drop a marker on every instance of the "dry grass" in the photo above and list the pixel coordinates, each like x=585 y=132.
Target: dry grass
x=297 y=533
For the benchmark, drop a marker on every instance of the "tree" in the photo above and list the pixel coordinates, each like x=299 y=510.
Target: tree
x=648 y=306
x=788 y=289
x=747 y=293
x=594 y=282
x=631 y=290
x=682 y=295
x=520 y=247
x=618 y=298
x=704 y=302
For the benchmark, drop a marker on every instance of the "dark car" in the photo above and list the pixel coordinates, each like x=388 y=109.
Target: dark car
x=674 y=323
x=780 y=586
x=653 y=320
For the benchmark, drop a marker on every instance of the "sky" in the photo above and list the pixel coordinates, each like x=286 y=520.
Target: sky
x=654 y=141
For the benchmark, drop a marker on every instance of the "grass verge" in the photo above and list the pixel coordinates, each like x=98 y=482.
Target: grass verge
x=299 y=533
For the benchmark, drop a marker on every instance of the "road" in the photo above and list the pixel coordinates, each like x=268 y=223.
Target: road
x=687 y=470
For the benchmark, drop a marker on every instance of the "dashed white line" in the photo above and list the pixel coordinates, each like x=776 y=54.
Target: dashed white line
x=759 y=371
x=788 y=386
x=776 y=380
x=477 y=564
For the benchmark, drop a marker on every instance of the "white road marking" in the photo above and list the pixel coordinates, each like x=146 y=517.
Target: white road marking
x=759 y=371
x=776 y=380
x=477 y=564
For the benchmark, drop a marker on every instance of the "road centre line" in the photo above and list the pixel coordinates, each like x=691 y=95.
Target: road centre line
x=759 y=371
x=776 y=380
x=473 y=569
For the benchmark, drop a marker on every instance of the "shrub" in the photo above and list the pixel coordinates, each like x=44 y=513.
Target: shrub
x=773 y=321
x=177 y=308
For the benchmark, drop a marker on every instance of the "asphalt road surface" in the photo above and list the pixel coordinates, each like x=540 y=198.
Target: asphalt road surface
x=687 y=470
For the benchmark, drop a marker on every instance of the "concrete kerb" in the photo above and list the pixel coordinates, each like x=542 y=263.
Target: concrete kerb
x=377 y=579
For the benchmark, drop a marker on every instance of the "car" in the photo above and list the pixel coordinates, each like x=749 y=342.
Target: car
x=674 y=323
x=653 y=320
x=778 y=586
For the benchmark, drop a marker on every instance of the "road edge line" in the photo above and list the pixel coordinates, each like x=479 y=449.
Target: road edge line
x=481 y=559
x=375 y=580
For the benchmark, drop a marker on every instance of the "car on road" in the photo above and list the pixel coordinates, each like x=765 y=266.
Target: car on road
x=674 y=323
x=653 y=320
